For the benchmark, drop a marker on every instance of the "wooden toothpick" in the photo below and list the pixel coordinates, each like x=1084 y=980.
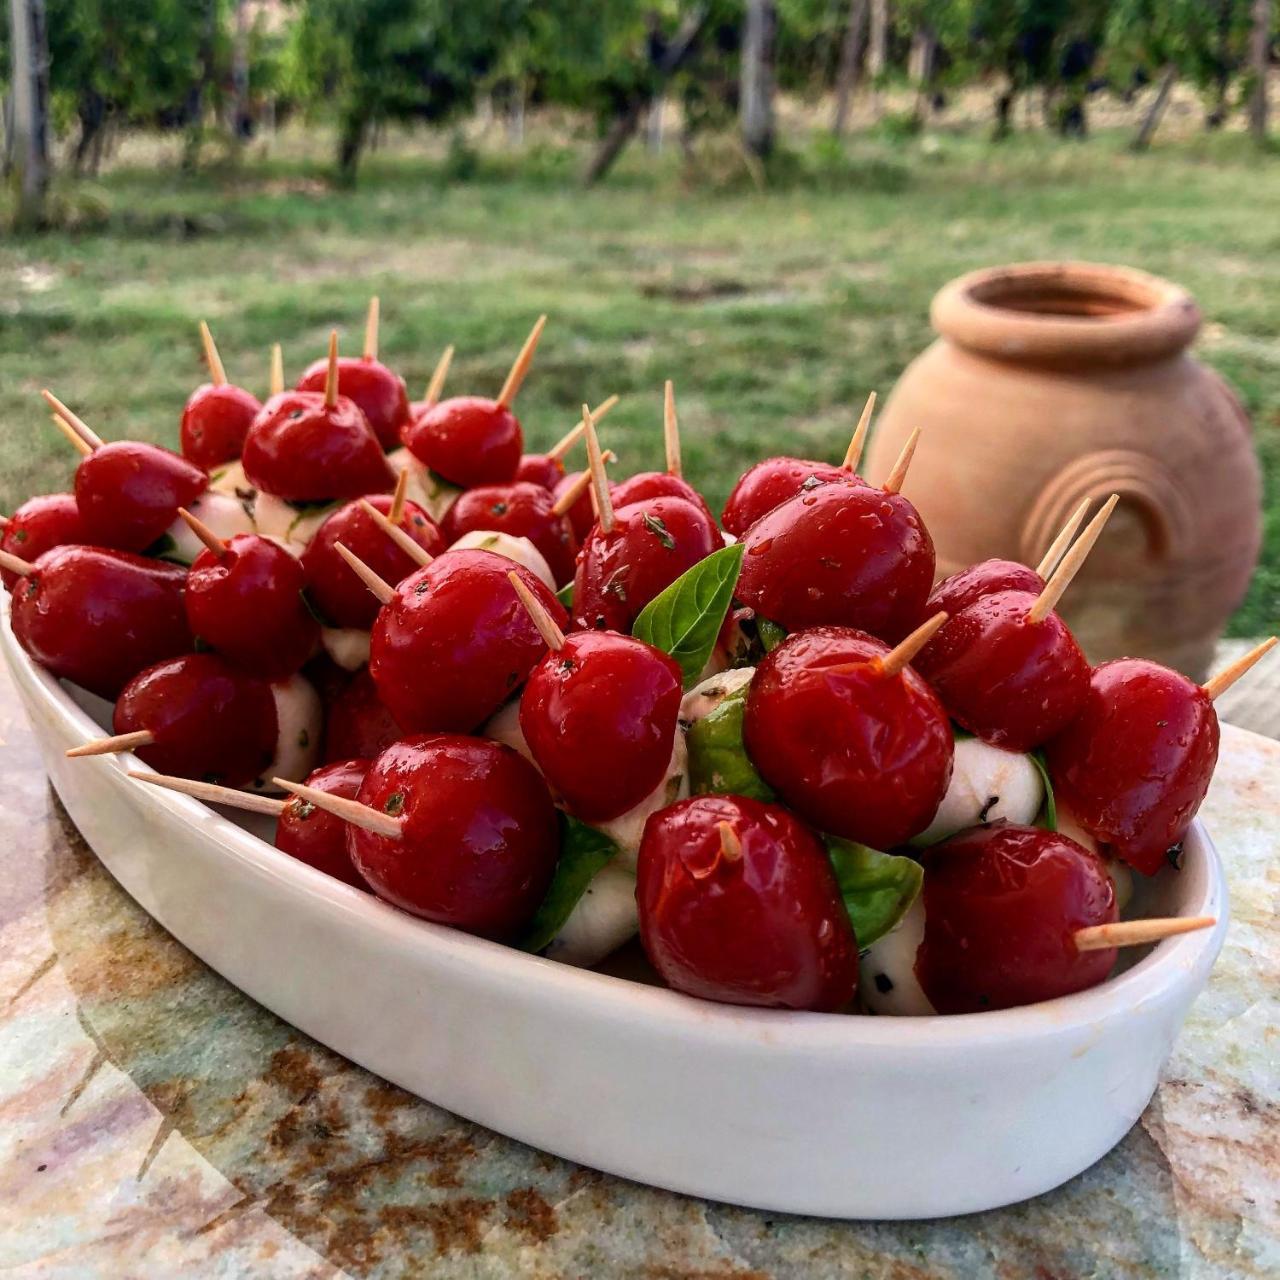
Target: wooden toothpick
x=893 y=662
x=511 y=388
x=331 y=376
x=569 y=498
x=74 y=438
x=277 y=369
x=203 y=532
x=217 y=374
x=730 y=843
x=1219 y=684
x=436 y=385
x=419 y=555
x=546 y=624
x=371 y=330
x=898 y=476
x=396 y=514
x=352 y=811
x=574 y=434
x=384 y=591
x=110 y=746
x=1071 y=563
x=82 y=429
x=16 y=564
x=1059 y=545
x=853 y=454
x=1133 y=933
x=599 y=480
x=671 y=429
x=211 y=793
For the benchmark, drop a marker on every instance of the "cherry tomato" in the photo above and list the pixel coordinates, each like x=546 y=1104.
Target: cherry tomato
x=651 y=544
x=215 y=422
x=480 y=836
x=38 y=525
x=1134 y=766
x=129 y=493
x=209 y=720
x=540 y=468
x=317 y=837
x=600 y=715
x=523 y=510
x=770 y=483
x=336 y=591
x=1002 y=906
x=300 y=451
x=98 y=617
x=854 y=751
x=841 y=555
x=456 y=642
x=379 y=393
x=759 y=922
x=356 y=722
x=985 y=578
x=582 y=515
x=247 y=604
x=1013 y=682
x=468 y=441
x=645 y=485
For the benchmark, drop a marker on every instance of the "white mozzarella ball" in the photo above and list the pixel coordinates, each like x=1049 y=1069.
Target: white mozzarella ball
x=299 y=726
x=291 y=526
x=347 y=646
x=887 y=980
x=225 y=515
x=520 y=550
x=709 y=693
x=604 y=918
x=231 y=480
x=504 y=726
x=433 y=495
x=1121 y=876
x=626 y=831
x=987 y=783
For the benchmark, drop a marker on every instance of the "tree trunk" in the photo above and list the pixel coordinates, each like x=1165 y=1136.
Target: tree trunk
x=1259 y=59
x=655 y=126
x=30 y=128
x=1151 y=121
x=196 y=99
x=920 y=68
x=755 y=84
x=241 y=119
x=351 y=139
x=1005 y=100
x=878 y=39
x=851 y=49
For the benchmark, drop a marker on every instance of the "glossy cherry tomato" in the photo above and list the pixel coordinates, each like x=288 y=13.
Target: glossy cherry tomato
x=98 y=617
x=985 y=578
x=468 y=441
x=757 y=922
x=332 y=586
x=582 y=515
x=1013 y=682
x=301 y=451
x=209 y=720
x=646 y=485
x=317 y=837
x=1134 y=766
x=38 y=525
x=1002 y=906
x=247 y=604
x=651 y=544
x=540 y=468
x=841 y=555
x=129 y=493
x=523 y=510
x=770 y=483
x=215 y=422
x=456 y=642
x=356 y=722
x=379 y=392
x=479 y=834
x=600 y=715
x=854 y=751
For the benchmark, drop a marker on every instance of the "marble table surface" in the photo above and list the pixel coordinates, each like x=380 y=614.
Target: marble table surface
x=154 y=1122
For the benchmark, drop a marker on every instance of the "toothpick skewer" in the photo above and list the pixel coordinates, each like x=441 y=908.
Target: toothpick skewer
x=568 y=499
x=16 y=564
x=81 y=428
x=897 y=658
x=574 y=434
x=419 y=555
x=853 y=454
x=438 y=375
x=203 y=532
x=671 y=430
x=211 y=793
x=599 y=481
x=277 y=369
x=396 y=514
x=511 y=387
x=384 y=591
x=352 y=811
x=331 y=377
x=898 y=475
x=217 y=374
x=74 y=438
x=1219 y=684
x=110 y=746
x=730 y=844
x=371 y=330
x=545 y=623
x=1071 y=563
x=1133 y=933
x=1063 y=540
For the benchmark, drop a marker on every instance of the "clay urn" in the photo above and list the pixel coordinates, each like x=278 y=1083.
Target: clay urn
x=1052 y=382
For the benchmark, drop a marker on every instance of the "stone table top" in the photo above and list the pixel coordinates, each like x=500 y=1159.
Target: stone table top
x=154 y=1122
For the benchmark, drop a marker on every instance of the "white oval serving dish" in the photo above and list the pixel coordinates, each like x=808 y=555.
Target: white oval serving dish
x=852 y=1117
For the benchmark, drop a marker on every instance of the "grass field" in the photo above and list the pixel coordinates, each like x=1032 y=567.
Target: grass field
x=774 y=312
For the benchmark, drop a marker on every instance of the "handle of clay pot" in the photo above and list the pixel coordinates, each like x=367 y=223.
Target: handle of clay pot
x=1139 y=479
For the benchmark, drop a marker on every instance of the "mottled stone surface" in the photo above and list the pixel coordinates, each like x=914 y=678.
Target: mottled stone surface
x=154 y=1122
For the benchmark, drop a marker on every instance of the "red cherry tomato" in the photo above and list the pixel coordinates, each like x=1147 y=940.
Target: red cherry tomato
x=854 y=751
x=646 y=485
x=98 y=617
x=582 y=515
x=336 y=591
x=763 y=926
x=379 y=393
x=540 y=468
x=317 y=837
x=1002 y=906
x=38 y=525
x=129 y=492
x=247 y=604
x=841 y=555
x=985 y=578
x=356 y=722
x=1134 y=766
x=301 y=451
x=480 y=836
x=523 y=510
x=468 y=441
x=1013 y=682
x=600 y=715
x=215 y=422
x=651 y=544
x=456 y=642
x=209 y=720
x=770 y=483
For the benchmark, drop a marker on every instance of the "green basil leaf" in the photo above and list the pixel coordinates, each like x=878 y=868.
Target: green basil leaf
x=1049 y=814
x=878 y=888
x=584 y=852
x=685 y=619
x=164 y=548
x=565 y=595
x=718 y=760
x=771 y=635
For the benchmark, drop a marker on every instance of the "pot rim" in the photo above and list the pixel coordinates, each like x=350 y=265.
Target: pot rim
x=1066 y=313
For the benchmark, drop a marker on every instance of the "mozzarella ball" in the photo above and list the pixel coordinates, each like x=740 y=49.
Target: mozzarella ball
x=987 y=783
x=1119 y=872
x=709 y=693
x=347 y=646
x=225 y=515
x=887 y=980
x=604 y=918
x=504 y=726
x=231 y=480
x=433 y=495
x=299 y=728
x=521 y=550
x=626 y=831
x=291 y=526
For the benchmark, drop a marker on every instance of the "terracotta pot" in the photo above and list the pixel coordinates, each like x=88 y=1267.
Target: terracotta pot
x=1055 y=382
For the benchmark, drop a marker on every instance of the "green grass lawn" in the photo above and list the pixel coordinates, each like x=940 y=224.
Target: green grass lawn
x=774 y=312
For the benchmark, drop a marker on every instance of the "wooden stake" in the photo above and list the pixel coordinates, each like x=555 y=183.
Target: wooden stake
x=511 y=388
x=574 y=434
x=371 y=330
x=853 y=454
x=16 y=564
x=110 y=746
x=384 y=591
x=277 y=369
x=74 y=438
x=352 y=811
x=331 y=377
x=671 y=430
x=545 y=623
x=893 y=662
x=203 y=532
x=569 y=498
x=438 y=375
x=1063 y=540
x=396 y=514
x=730 y=844
x=1219 y=684
x=1134 y=933
x=211 y=793
x=599 y=481
x=1071 y=563
x=899 y=473
x=81 y=428
x=217 y=374
x=419 y=555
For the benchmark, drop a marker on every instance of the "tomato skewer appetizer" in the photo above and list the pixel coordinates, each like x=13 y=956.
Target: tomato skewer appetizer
x=547 y=469
x=38 y=525
x=217 y=416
